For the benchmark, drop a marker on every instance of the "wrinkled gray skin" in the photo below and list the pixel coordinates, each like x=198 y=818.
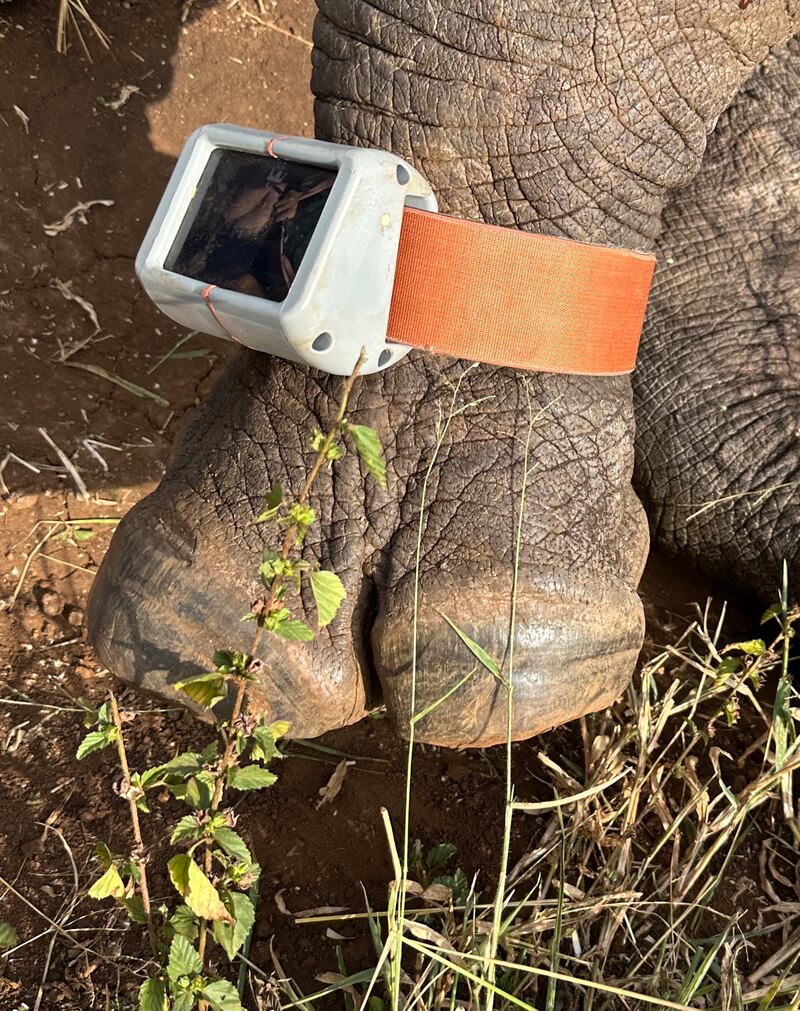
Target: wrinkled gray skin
x=717 y=391
x=572 y=119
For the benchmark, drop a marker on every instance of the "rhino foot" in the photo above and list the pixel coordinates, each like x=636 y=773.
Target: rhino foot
x=181 y=570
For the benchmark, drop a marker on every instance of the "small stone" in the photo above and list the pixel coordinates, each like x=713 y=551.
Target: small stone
x=51 y=603
x=75 y=617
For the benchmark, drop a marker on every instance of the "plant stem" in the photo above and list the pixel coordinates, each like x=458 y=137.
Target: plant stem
x=265 y=608
x=138 y=854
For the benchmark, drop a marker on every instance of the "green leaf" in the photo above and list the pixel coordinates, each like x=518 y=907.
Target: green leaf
x=108 y=884
x=152 y=996
x=183 y=959
x=184 y=922
x=184 y=1001
x=782 y=719
x=204 y=689
x=250 y=777
x=300 y=516
x=222 y=996
x=199 y=791
x=185 y=764
x=135 y=909
x=272 y=504
x=730 y=665
x=293 y=630
x=274 y=565
x=187 y=828
x=104 y=714
x=225 y=659
x=231 y=936
x=754 y=647
x=278 y=729
x=231 y=661
x=477 y=651
x=773 y=611
x=90 y=714
x=264 y=747
x=195 y=888
x=368 y=446
x=8 y=936
x=329 y=592
x=233 y=844
x=457 y=883
x=439 y=856
x=94 y=741
x=104 y=855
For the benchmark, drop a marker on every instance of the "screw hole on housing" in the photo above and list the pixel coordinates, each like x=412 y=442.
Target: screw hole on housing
x=402 y=175
x=323 y=342
x=384 y=358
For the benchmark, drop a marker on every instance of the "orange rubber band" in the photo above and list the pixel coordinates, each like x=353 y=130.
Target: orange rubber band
x=513 y=298
x=207 y=299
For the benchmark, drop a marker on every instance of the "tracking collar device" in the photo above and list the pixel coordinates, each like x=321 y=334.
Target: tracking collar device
x=314 y=251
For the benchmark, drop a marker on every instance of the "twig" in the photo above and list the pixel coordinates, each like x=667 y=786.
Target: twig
x=70 y=467
x=73 y=566
x=13 y=458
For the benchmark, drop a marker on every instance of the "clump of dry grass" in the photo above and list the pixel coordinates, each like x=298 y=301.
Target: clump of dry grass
x=71 y=15
x=628 y=896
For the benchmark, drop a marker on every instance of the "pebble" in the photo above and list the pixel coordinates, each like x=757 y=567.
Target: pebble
x=51 y=603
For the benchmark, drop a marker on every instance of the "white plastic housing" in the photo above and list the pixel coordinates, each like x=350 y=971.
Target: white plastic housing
x=343 y=286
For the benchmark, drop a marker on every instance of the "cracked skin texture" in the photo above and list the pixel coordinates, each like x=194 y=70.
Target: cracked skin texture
x=718 y=389
x=573 y=120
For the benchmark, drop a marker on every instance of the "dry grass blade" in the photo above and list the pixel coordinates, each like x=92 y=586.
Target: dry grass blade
x=66 y=909
x=617 y=888
x=68 y=13
x=68 y=465
x=13 y=458
x=126 y=384
x=76 y=213
x=65 y=289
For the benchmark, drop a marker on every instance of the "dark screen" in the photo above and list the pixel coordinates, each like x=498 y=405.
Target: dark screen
x=250 y=223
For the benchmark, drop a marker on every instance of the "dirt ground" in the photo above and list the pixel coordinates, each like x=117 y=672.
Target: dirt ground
x=70 y=301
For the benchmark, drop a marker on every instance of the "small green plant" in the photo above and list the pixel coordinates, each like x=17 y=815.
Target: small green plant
x=213 y=870
x=8 y=936
x=435 y=876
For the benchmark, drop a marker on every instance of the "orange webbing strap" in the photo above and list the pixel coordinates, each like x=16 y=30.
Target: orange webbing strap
x=508 y=297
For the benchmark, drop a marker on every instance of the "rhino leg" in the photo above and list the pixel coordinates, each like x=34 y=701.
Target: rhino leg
x=718 y=386
x=526 y=118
